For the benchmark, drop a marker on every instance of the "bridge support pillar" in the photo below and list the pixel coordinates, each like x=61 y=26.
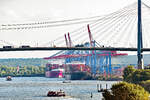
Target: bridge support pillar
x=139 y=38
x=140 y=62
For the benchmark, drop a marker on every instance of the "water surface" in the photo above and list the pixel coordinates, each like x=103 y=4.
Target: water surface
x=36 y=88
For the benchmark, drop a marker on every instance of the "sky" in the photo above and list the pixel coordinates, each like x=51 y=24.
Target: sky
x=24 y=11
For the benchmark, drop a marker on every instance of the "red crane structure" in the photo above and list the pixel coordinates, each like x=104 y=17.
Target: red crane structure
x=99 y=61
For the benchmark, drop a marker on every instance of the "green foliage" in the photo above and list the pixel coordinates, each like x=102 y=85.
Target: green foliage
x=146 y=85
x=30 y=67
x=24 y=71
x=136 y=75
x=126 y=91
x=127 y=73
x=140 y=75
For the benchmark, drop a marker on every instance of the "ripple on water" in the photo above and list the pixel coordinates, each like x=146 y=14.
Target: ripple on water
x=36 y=88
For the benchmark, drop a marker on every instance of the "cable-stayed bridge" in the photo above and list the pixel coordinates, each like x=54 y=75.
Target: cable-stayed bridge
x=116 y=31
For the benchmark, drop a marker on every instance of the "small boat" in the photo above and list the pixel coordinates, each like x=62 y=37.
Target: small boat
x=56 y=93
x=66 y=81
x=8 y=78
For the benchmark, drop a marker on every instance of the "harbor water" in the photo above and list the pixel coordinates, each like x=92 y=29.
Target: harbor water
x=36 y=88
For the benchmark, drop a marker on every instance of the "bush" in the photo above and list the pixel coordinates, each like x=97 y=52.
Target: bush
x=146 y=85
x=126 y=91
x=132 y=75
x=127 y=73
x=140 y=75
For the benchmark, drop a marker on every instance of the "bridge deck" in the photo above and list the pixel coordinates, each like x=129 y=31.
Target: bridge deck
x=71 y=48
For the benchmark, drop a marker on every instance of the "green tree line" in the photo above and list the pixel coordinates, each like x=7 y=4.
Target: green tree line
x=23 y=71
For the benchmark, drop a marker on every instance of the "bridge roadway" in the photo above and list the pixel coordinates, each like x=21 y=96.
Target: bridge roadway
x=71 y=48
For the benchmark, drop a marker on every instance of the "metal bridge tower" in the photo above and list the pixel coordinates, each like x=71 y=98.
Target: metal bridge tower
x=139 y=38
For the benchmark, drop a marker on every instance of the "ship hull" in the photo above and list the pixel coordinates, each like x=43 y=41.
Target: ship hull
x=54 y=74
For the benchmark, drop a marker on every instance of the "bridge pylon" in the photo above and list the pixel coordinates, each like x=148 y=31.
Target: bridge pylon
x=139 y=38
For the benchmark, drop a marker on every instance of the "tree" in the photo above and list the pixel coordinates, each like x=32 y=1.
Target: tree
x=140 y=75
x=3 y=73
x=127 y=73
x=24 y=71
x=126 y=91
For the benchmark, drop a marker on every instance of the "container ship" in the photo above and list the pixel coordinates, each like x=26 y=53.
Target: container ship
x=58 y=70
x=54 y=71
